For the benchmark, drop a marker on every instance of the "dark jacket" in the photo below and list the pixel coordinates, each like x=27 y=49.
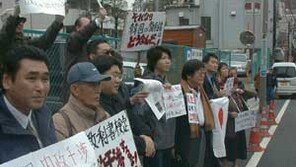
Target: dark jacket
x=187 y=135
x=271 y=80
x=16 y=141
x=9 y=39
x=115 y=104
x=209 y=88
x=163 y=130
x=76 y=45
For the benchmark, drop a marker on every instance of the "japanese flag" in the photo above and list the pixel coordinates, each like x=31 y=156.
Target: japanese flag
x=220 y=112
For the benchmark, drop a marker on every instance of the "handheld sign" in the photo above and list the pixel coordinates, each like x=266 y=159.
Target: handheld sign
x=142 y=30
x=74 y=151
x=101 y=6
x=53 y=7
x=245 y=120
x=113 y=142
x=174 y=102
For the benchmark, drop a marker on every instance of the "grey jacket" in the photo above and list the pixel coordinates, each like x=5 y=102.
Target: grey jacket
x=163 y=130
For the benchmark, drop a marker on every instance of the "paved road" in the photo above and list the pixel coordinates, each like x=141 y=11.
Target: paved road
x=281 y=151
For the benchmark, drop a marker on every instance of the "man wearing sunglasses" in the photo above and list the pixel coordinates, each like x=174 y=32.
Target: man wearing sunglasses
x=97 y=48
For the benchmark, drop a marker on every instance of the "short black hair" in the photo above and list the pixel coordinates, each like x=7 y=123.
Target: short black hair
x=207 y=58
x=92 y=46
x=220 y=65
x=11 y=61
x=105 y=62
x=78 y=20
x=190 y=67
x=154 y=54
x=233 y=68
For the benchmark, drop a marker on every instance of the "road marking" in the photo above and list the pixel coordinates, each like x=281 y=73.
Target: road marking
x=254 y=160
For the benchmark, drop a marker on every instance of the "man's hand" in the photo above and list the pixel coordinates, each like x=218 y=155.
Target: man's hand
x=150 y=149
x=103 y=13
x=59 y=18
x=167 y=86
x=138 y=98
x=233 y=114
x=17 y=10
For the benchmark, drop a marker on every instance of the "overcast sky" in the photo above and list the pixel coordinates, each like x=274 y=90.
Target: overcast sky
x=130 y=3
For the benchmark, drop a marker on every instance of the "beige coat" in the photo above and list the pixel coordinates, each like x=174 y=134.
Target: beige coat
x=80 y=118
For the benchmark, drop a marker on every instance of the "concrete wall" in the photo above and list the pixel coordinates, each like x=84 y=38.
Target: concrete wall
x=209 y=8
x=189 y=12
x=226 y=28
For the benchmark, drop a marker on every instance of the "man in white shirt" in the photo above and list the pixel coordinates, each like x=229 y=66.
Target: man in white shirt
x=25 y=125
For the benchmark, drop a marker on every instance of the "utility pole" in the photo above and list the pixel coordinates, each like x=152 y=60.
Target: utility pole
x=156 y=5
x=289 y=41
x=254 y=31
x=274 y=24
x=263 y=70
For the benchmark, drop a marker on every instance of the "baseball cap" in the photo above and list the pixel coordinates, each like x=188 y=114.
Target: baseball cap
x=85 y=72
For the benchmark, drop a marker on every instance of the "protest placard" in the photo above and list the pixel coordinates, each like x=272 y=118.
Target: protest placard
x=220 y=112
x=174 y=102
x=245 y=120
x=229 y=86
x=113 y=142
x=142 y=30
x=74 y=151
x=253 y=103
x=99 y=2
x=53 y=7
x=155 y=97
x=192 y=108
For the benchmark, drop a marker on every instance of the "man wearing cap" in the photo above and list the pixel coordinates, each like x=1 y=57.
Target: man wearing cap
x=11 y=34
x=83 y=109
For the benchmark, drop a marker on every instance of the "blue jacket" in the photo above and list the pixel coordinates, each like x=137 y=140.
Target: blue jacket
x=16 y=141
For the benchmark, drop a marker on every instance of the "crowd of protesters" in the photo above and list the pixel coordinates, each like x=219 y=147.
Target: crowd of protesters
x=95 y=91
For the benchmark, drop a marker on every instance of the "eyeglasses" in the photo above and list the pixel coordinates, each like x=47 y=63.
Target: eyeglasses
x=116 y=76
x=109 y=52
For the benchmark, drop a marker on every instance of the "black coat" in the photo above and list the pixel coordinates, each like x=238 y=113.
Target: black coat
x=209 y=89
x=76 y=45
x=115 y=104
x=9 y=39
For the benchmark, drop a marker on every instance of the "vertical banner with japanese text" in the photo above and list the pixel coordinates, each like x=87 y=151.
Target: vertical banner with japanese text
x=113 y=142
x=75 y=151
x=142 y=30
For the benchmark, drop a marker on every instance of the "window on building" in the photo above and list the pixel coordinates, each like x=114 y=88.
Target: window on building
x=206 y=23
x=183 y=21
x=0 y=5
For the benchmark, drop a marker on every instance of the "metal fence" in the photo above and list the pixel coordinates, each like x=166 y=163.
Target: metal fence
x=180 y=54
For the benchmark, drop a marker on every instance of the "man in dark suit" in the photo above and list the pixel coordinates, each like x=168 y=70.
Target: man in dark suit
x=25 y=124
x=210 y=85
x=211 y=88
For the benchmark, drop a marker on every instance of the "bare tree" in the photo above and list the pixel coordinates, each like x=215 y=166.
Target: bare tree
x=117 y=9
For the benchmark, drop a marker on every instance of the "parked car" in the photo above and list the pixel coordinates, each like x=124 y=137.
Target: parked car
x=128 y=71
x=286 y=77
x=238 y=60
